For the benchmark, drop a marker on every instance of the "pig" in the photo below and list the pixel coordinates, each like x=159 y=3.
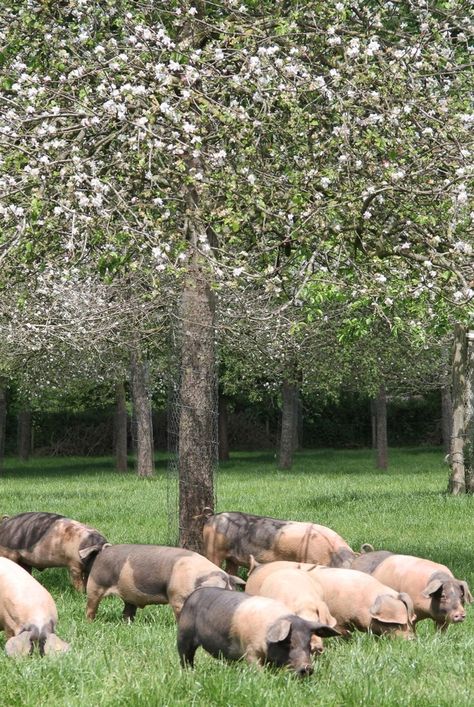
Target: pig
x=27 y=613
x=435 y=592
x=236 y=625
x=151 y=574
x=364 y=605
x=235 y=536
x=300 y=593
x=43 y=540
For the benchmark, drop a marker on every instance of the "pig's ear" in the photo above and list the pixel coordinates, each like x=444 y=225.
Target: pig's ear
x=86 y=552
x=279 y=631
x=237 y=581
x=19 y=645
x=326 y=618
x=432 y=588
x=465 y=590
x=324 y=631
x=376 y=607
x=408 y=601
x=253 y=564
x=365 y=548
x=54 y=644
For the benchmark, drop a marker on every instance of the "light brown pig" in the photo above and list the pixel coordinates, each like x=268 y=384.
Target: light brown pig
x=300 y=593
x=258 y=572
x=27 y=612
x=41 y=540
x=234 y=536
x=151 y=574
x=357 y=602
x=435 y=592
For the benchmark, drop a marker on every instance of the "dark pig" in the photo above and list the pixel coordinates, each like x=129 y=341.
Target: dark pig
x=234 y=536
x=43 y=540
x=27 y=613
x=151 y=574
x=435 y=592
x=235 y=625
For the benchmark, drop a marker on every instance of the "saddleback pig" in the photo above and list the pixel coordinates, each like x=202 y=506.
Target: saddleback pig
x=234 y=536
x=435 y=592
x=151 y=574
x=43 y=540
x=234 y=625
x=27 y=613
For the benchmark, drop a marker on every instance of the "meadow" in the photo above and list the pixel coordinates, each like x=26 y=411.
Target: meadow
x=114 y=664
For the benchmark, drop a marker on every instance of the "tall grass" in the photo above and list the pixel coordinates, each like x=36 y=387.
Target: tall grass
x=111 y=663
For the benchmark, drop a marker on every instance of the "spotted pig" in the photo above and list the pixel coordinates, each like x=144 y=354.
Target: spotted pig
x=43 y=540
x=151 y=574
x=435 y=592
x=234 y=536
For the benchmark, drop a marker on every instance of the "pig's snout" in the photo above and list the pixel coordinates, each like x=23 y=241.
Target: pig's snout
x=458 y=617
x=304 y=670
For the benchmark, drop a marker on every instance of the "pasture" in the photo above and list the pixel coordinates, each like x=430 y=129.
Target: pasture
x=111 y=663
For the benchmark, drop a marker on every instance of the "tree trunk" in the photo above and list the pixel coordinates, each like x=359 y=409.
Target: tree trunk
x=457 y=480
x=289 y=420
x=120 y=428
x=3 y=418
x=469 y=415
x=142 y=415
x=381 y=414
x=223 y=430
x=446 y=417
x=24 y=435
x=198 y=414
x=373 y=423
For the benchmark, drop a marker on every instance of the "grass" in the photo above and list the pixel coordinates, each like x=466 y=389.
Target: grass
x=112 y=664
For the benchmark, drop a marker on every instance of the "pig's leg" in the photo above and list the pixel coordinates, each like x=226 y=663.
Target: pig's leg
x=186 y=649
x=129 y=612
x=77 y=578
x=94 y=595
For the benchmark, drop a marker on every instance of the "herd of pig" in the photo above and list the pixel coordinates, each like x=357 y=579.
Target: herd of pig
x=304 y=583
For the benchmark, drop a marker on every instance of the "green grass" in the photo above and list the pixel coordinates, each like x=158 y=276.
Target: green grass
x=114 y=664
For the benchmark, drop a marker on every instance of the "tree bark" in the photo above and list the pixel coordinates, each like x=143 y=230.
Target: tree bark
x=446 y=417
x=142 y=415
x=198 y=416
x=24 y=435
x=3 y=418
x=373 y=423
x=289 y=421
x=381 y=414
x=120 y=428
x=223 y=430
x=457 y=480
x=469 y=415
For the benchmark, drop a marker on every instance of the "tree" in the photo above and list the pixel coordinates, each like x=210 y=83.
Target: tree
x=462 y=440
x=303 y=150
